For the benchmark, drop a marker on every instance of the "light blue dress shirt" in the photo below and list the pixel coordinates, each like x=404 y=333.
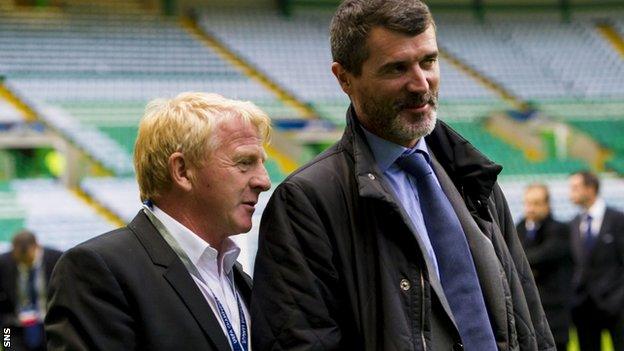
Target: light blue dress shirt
x=403 y=184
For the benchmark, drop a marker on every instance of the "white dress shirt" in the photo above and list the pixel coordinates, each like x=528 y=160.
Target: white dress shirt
x=215 y=268
x=597 y=212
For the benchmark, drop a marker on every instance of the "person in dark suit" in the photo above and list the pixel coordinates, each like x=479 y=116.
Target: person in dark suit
x=169 y=280
x=397 y=237
x=24 y=274
x=598 y=250
x=546 y=243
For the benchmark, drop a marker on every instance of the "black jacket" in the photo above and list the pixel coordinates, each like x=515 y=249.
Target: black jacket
x=600 y=275
x=8 y=282
x=338 y=265
x=128 y=290
x=550 y=257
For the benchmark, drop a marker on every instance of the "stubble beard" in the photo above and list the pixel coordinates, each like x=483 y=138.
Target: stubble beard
x=389 y=120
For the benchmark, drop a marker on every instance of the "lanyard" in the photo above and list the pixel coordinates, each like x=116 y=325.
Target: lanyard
x=237 y=345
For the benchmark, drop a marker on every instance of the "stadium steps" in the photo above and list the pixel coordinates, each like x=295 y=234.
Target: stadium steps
x=288 y=99
x=57 y=215
x=490 y=84
x=285 y=162
x=612 y=36
x=28 y=114
x=31 y=115
x=9 y=222
x=99 y=208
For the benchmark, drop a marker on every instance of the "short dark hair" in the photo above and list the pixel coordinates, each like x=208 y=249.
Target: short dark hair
x=589 y=179
x=354 y=19
x=23 y=240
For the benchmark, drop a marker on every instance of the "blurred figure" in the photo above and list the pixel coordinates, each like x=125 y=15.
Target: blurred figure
x=24 y=275
x=546 y=243
x=598 y=248
x=169 y=280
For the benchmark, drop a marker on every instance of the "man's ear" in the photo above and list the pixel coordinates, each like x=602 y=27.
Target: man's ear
x=343 y=76
x=179 y=169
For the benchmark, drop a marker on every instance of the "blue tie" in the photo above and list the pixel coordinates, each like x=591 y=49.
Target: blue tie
x=457 y=272
x=33 y=334
x=531 y=234
x=589 y=237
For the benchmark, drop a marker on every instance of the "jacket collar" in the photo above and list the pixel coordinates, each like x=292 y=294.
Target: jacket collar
x=181 y=281
x=473 y=173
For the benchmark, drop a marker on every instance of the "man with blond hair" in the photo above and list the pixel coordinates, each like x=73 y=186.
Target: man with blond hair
x=169 y=280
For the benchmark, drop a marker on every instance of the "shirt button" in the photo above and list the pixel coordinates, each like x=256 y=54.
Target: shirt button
x=405 y=285
x=371 y=176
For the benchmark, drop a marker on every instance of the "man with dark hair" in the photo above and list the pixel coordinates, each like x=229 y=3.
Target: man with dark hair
x=397 y=237
x=24 y=275
x=546 y=243
x=598 y=249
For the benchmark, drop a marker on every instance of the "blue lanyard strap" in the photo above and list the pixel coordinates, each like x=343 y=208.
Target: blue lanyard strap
x=236 y=345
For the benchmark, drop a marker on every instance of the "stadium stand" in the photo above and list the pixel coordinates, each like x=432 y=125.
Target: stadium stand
x=46 y=207
x=95 y=73
x=9 y=115
x=11 y=215
x=538 y=60
x=294 y=52
x=512 y=159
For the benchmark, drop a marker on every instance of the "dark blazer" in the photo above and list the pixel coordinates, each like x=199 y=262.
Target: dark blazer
x=8 y=282
x=599 y=275
x=128 y=290
x=550 y=257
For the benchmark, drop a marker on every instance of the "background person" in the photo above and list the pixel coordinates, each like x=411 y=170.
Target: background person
x=24 y=275
x=598 y=248
x=546 y=243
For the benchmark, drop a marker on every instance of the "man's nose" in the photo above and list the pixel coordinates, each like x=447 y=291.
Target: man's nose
x=261 y=181
x=417 y=80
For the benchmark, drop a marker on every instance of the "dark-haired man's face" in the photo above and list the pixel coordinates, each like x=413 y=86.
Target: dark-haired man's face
x=25 y=256
x=536 y=206
x=395 y=96
x=581 y=194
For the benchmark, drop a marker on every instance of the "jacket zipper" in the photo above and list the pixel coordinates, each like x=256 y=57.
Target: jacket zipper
x=422 y=311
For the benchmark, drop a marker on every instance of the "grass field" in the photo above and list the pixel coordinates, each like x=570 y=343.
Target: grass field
x=574 y=346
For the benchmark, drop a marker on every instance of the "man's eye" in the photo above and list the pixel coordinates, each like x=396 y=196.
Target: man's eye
x=399 y=67
x=430 y=61
x=245 y=163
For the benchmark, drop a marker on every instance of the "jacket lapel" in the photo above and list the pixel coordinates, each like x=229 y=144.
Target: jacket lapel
x=243 y=283
x=179 y=278
x=378 y=188
x=12 y=283
x=484 y=256
x=606 y=223
x=575 y=237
